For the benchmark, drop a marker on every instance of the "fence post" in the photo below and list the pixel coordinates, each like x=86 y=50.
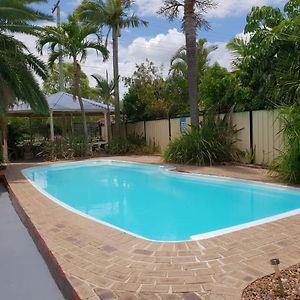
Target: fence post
x=251 y=135
x=170 y=133
x=145 y=135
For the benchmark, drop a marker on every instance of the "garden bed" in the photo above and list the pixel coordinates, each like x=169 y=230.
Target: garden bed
x=268 y=286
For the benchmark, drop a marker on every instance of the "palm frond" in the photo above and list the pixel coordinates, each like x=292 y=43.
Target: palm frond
x=16 y=73
x=18 y=16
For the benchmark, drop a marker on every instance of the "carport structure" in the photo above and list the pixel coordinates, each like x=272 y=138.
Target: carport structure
x=63 y=105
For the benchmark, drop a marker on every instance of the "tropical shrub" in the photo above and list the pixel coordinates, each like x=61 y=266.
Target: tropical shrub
x=133 y=144
x=66 y=148
x=212 y=143
x=118 y=146
x=136 y=139
x=287 y=165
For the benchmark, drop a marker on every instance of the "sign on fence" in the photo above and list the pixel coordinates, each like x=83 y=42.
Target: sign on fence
x=182 y=124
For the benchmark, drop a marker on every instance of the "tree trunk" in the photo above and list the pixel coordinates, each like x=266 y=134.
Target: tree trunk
x=115 y=37
x=3 y=139
x=78 y=94
x=190 y=30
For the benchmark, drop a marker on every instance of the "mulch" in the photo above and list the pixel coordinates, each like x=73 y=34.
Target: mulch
x=267 y=288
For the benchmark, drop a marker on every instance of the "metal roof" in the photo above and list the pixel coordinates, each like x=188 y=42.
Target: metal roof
x=63 y=102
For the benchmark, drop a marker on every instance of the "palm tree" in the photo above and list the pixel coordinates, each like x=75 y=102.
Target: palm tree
x=17 y=81
x=179 y=60
x=193 y=18
x=115 y=14
x=105 y=89
x=17 y=64
x=18 y=16
x=240 y=49
x=74 y=42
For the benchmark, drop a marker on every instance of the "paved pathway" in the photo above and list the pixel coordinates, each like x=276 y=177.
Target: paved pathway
x=23 y=273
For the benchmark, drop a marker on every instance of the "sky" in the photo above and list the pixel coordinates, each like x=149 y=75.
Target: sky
x=161 y=39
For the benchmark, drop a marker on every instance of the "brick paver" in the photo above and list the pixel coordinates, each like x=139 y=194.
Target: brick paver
x=103 y=263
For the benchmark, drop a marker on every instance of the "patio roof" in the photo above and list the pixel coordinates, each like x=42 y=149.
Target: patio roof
x=60 y=103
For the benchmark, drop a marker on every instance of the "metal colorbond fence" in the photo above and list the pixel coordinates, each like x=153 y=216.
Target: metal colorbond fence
x=267 y=138
x=261 y=129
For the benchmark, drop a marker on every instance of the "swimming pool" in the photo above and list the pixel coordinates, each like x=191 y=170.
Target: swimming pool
x=155 y=203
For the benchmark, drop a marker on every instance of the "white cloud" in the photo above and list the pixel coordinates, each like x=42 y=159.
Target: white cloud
x=222 y=56
x=228 y=8
x=225 y=8
x=158 y=49
x=148 y=8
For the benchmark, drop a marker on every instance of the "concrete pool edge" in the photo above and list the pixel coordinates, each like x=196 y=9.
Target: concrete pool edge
x=217 y=267
x=172 y=170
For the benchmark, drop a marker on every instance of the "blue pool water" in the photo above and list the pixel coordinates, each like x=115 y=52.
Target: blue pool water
x=158 y=204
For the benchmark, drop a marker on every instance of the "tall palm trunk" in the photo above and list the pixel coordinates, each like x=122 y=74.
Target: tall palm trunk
x=190 y=29
x=78 y=94
x=115 y=37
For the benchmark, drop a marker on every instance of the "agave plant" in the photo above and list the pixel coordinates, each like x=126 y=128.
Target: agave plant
x=213 y=142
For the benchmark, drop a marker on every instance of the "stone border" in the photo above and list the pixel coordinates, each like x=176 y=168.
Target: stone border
x=104 y=263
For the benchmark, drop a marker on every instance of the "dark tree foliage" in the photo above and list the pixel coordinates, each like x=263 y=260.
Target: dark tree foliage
x=268 y=63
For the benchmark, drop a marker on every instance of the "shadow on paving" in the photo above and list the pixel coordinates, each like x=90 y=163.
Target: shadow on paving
x=23 y=272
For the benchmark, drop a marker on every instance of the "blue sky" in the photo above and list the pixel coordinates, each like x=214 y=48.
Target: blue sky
x=222 y=28
x=160 y=40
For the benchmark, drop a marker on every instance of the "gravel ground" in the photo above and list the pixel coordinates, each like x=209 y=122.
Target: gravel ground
x=267 y=288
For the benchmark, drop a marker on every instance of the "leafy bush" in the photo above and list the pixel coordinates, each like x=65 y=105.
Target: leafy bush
x=213 y=142
x=133 y=144
x=136 y=139
x=20 y=131
x=287 y=165
x=78 y=145
x=66 y=148
x=118 y=146
x=57 y=149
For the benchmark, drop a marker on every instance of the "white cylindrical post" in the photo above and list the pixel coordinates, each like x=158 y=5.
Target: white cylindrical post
x=106 y=126
x=51 y=126
x=72 y=124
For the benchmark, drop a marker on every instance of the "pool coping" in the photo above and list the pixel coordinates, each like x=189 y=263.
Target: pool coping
x=118 y=266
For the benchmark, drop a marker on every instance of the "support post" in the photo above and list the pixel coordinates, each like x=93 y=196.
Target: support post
x=106 y=127
x=72 y=124
x=64 y=127
x=169 y=124
x=251 y=136
x=51 y=127
x=4 y=139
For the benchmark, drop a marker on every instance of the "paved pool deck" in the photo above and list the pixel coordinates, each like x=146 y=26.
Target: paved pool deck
x=92 y=261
